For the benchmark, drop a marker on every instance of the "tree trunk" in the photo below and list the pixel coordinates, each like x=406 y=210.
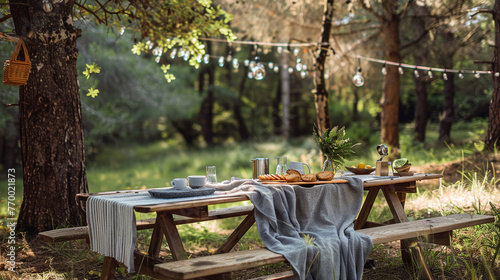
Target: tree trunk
x=320 y=92
x=448 y=111
x=421 y=82
x=285 y=96
x=421 y=108
x=390 y=97
x=240 y=120
x=206 y=110
x=449 y=89
x=493 y=133
x=50 y=119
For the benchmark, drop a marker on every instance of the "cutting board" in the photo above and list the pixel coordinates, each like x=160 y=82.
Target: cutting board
x=281 y=182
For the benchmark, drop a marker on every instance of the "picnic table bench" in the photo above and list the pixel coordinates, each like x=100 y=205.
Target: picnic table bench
x=225 y=261
x=237 y=260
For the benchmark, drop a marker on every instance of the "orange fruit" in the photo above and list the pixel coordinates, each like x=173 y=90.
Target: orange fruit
x=361 y=165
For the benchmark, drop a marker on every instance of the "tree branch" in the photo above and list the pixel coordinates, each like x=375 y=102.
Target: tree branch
x=9 y=37
x=370 y=10
x=482 y=11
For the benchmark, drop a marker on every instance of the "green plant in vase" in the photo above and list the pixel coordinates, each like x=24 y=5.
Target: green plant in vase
x=334 y=144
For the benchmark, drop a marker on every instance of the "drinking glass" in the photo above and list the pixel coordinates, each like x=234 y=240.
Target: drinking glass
x=211 y=175
x=282 y=167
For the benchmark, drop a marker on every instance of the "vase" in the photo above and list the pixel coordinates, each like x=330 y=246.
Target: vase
x=328 y=165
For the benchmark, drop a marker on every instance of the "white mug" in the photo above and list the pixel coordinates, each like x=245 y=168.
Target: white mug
x=179 y=183
x=299 y=166
x=197 y=181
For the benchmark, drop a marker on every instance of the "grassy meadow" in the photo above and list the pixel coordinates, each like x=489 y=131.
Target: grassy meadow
x=474 y=254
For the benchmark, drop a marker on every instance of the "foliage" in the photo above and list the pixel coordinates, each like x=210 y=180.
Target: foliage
x=335 y=145
x=161 y=25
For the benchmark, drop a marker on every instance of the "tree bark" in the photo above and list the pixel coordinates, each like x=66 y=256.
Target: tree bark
x=320 y=92
x=240 y=120
x=421 y=111
x=285 y=96
x=449 y=90
x=448 y=110
x=493 y=133
x=50 y=119
x=206 y=110
x=389 y=30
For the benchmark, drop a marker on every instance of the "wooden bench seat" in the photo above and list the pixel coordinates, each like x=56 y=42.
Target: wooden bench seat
x=238 y=260
x=76 y=233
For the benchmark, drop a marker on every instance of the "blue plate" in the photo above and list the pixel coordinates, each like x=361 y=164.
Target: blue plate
x=173 y=193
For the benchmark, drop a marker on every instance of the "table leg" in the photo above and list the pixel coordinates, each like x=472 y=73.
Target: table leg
x=237 y=234
x=410 y=254
x=171 y=233
x=156 y=239
x=366 y=208
x=108 y=268
x=395 y=205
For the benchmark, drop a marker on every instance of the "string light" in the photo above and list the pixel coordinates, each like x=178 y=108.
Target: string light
x=445 y=76
x=429 y=69
x=400 y=70
x=415 y=72
x=358 y=79
x=384 y=70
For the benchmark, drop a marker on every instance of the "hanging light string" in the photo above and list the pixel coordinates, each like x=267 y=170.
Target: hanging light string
x=292 y=45
x=425 y=68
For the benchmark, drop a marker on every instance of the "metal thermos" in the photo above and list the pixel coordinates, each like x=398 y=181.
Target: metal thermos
x=260 y=167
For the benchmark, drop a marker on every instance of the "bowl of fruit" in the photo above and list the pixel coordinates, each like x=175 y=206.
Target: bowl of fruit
x=401 y=165
x=360 y=169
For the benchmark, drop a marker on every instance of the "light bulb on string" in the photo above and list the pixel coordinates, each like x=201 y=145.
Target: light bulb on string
x=270 y=65
x=157 y=59
x=296 y=51
x=415 y=72
x=445 y=76
x=221 y=61
x=206 y=58
x=304 y=67
x=258 y=71
x=236 y=64
x=181 y=53
x=460 y=75
x=429 y=73
x=290 y=70
x=246 y=62
x=229 y=57
x=497 y=74
x=298 y=67
x=276 y=69
x=358 y=79
x=384 y=70
x=303 y=74
x=250 y=74
x=477 y=75
x=400 y=70
x=280 y=50
x=186 y=56
x=173 y=53
x=198 y=58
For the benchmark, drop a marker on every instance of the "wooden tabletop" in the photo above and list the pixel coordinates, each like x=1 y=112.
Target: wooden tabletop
x=227 y=198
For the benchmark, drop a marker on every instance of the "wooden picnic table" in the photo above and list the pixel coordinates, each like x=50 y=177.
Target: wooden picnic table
x=394 y=190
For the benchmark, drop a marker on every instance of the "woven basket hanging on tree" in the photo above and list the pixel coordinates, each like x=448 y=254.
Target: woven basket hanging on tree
x=16 y=72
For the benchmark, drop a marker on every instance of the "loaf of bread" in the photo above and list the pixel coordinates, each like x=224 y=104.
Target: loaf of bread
x=309 y=178
x=292 y=178
x=325 y=175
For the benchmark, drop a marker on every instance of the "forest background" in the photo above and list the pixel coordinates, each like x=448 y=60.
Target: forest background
x=220 y=105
